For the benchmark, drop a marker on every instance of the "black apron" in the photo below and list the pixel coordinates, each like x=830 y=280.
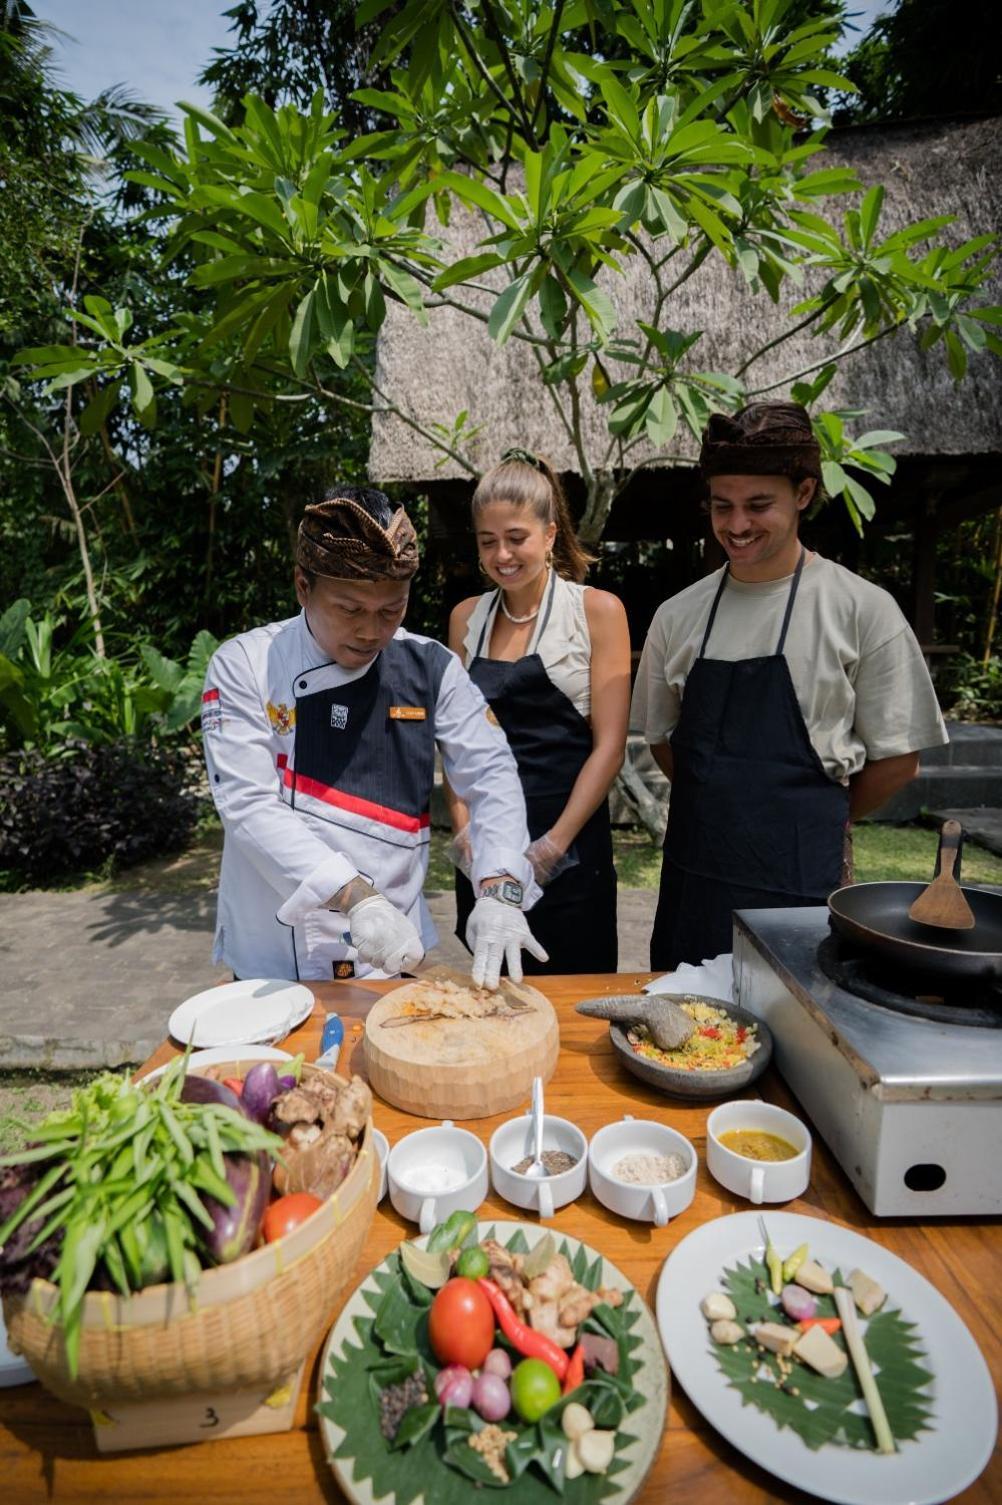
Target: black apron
x=575 y=920
x=754 y=821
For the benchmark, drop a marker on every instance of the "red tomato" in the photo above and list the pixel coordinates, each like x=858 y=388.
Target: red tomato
x=287 y=1213
x=461 y=1324
x=234 y=1083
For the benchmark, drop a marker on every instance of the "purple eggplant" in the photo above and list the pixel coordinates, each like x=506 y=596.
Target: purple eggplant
x=205 y=1089
x=286 y=1083
x=235 y=1229
x=261 y=1087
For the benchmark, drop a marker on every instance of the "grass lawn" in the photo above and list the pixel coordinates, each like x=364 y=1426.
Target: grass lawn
x=883 y=854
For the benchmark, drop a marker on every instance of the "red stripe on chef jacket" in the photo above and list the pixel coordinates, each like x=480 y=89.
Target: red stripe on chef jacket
x=353 y=803
x=210 y=695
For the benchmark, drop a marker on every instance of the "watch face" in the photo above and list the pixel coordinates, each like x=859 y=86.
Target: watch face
x=511 y=891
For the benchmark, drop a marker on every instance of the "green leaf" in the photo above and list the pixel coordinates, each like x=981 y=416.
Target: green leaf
x=596 y=304
x=415 y=1424
x=508 y=309
x=661 y=418
x=473 y=191
x=95 y=414
x=12 y=627
x=302 y=334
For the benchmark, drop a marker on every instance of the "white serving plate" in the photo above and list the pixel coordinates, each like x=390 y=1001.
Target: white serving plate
x=235 y=1053
x=256 y=1010
x=935 y=1466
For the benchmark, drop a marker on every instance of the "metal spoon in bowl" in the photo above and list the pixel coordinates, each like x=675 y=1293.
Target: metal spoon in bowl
x=536 y=1169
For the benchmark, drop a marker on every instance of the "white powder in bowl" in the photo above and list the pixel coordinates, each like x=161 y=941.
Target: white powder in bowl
x=649 y=1170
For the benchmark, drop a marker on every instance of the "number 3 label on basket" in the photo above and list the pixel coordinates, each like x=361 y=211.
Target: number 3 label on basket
x=192 y=1418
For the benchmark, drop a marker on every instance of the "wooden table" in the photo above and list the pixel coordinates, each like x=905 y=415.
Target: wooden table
x=47 y=1452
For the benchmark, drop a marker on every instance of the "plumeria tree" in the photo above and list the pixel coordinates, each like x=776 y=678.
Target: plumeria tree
x=584 y=134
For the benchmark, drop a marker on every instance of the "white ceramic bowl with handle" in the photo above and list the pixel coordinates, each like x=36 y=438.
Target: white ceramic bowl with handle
x=758 y=1180
x=435 y=1172
x=654 y=1202
x=512 y=1142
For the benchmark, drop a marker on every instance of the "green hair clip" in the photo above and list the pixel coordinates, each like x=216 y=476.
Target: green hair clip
x=522 y=455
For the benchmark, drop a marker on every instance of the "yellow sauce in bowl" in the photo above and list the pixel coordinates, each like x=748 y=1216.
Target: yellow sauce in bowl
x=756 y=1144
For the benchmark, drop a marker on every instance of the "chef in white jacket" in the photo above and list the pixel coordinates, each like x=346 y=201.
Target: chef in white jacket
x=320 y=736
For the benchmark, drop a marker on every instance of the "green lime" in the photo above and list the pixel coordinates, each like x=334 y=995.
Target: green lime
x=473 y=1263
x=534 y=1388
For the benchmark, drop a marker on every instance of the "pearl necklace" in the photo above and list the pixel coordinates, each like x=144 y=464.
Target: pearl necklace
x=532 y=615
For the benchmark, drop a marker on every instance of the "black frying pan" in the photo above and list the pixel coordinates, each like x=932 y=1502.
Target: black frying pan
x=874 y=916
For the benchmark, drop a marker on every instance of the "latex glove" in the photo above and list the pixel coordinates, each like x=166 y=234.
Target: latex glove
x=461 y=853
x=497 y=932
x=384 y=937
x=548 y=861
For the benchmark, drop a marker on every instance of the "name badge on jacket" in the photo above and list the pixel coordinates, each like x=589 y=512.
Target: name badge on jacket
x=339 y=717
x=408 y=713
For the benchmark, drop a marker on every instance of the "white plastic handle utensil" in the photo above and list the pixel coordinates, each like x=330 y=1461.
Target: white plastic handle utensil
x=756 y=1187
x=545 y=1199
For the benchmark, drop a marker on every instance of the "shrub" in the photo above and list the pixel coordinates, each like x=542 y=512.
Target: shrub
x=971 y=690
x=92 y=804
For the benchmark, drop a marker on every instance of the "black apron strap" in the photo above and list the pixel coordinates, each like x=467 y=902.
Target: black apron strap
x=713 y=612
x=541 y=624
x=488 y=619
x=790 y=600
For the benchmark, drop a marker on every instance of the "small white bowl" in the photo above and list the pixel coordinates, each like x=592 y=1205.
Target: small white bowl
x=434 y=1172
x=513 y=1141
x=758 y=1180
x=382 y=1148
x=654 y=1203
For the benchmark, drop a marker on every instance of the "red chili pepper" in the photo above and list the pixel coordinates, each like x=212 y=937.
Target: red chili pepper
x=528 y=1342
x=575 y=1371
x=827 y=1324
x=710 y=1032
x=742 y=1034
x=234 y=1083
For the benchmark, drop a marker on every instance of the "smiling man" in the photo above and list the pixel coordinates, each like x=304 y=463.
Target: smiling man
x=782 y=696
x=320 y=735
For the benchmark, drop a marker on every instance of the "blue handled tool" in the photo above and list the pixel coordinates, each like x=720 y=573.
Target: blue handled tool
x=330 y=1042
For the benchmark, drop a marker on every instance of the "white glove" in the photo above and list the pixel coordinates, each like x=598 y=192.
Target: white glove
x=461 y=853
x=384 y=937
x=497 y=932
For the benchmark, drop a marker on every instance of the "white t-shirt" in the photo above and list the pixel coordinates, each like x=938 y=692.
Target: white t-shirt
x=860 y=678
x=564 y=645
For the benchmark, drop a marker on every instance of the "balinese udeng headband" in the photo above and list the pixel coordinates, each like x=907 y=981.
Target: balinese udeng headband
x=339 y=539
x=765 y=438
x=524 y=456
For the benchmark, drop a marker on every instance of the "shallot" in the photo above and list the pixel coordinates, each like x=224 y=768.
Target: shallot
x=491 y=1396
x=454 y=1385
x=498 y=1362
x=797 y=1303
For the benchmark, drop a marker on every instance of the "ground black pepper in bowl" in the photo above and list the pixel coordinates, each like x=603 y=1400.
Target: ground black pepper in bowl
x=555 y=1162
x=396 y=1400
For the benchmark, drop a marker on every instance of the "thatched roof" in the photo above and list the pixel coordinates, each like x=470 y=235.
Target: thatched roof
x=927 y=169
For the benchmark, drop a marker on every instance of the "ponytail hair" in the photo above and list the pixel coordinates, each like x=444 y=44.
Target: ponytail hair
x=526 y=480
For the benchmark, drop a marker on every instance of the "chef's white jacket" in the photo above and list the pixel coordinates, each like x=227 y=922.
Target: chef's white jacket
x=282 y=864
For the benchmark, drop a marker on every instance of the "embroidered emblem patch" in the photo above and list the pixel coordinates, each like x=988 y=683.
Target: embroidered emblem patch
x=491 y=717
x=212 y=711
x=339 y=717
x=282 y=717
x=408 y=713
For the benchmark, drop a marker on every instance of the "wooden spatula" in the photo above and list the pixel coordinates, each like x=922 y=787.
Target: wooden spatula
x=943 y=904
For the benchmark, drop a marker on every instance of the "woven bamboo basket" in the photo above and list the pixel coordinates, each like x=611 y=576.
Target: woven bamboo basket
x=253 y=1324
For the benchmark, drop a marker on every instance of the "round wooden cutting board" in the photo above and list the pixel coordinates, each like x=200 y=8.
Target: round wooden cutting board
x=439 y=1067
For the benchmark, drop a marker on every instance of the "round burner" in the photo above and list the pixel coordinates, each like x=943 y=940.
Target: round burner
x=908 y=993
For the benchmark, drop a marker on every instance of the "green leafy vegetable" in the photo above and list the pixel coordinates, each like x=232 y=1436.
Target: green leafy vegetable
x=824 y=1410
x=434 y=1456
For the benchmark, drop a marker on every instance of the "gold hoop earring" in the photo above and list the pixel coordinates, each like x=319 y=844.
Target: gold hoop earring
x=480 y=567
x=548 y=561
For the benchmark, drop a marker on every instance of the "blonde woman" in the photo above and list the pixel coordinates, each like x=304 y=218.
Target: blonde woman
x=552 y=658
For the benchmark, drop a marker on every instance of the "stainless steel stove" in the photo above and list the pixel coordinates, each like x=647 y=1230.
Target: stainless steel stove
x=909 y=1103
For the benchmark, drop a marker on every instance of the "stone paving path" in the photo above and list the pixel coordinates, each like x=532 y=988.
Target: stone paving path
x=89 y=978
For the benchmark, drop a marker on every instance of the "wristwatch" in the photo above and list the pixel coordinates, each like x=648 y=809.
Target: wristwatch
x=354 y=891
x=506 y=890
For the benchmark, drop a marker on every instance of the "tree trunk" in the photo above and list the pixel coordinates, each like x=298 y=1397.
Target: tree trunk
x=651 y=813
x=996 y=590
x=601 y=490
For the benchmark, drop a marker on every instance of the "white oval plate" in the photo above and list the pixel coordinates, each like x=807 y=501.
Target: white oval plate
x=257 y=1010
x=932 y=1467
x=646 y=1426
x=235 y=1053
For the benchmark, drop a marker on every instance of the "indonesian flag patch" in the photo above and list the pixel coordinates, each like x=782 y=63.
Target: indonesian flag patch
x=212 y=711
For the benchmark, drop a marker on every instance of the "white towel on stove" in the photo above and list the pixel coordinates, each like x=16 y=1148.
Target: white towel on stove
x=712 y=978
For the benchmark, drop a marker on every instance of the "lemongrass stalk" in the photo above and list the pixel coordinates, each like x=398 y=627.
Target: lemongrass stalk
x=861 y=1361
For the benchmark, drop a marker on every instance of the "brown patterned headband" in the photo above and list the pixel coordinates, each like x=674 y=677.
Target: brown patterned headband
x=765 y=438
x=341 y=540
